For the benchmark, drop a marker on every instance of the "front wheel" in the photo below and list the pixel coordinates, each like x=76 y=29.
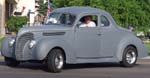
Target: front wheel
x=129 y=57
x=55 y=61
x=11 y=62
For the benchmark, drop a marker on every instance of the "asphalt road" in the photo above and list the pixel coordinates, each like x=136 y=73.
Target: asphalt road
x=102 y=70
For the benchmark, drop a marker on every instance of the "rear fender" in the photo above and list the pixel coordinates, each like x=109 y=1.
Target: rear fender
x=136 y=42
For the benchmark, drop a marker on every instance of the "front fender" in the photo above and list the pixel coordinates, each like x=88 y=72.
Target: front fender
x=6 y=49
x=44 y=46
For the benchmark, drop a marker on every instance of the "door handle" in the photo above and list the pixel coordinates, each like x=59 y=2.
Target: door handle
x=99 y=34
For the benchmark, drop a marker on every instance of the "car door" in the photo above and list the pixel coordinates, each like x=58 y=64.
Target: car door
x=87 y=42
x=109 y=37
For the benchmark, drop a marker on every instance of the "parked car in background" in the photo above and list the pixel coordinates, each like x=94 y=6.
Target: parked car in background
x=62 y=41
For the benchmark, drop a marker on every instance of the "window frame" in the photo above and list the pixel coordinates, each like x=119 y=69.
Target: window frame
x=64 y=14
x=106 y=18
x=90 y=14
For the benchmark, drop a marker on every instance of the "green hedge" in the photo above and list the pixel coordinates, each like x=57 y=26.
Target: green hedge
x=14 y=23
x=148 y=48
x=1 y=39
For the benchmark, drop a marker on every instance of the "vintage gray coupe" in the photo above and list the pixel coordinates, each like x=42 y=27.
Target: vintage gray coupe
x=61 y=41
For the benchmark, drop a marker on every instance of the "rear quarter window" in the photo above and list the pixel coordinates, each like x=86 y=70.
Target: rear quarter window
x=104 y=21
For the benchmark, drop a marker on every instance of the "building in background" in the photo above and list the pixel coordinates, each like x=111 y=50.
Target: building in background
x=26 y=8
x=6 y=9
x=16 y=8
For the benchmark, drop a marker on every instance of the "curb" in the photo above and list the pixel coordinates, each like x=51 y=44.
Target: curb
x=1 y=57
x=146 y=57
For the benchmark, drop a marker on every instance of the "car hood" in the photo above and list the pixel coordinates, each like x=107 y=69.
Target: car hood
x=43 y=28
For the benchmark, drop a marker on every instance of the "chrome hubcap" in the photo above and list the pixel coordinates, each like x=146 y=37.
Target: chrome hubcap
x=59 y=61
x=131 y=57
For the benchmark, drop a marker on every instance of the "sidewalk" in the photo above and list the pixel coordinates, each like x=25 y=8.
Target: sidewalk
x=146 y=57
x=1 y=57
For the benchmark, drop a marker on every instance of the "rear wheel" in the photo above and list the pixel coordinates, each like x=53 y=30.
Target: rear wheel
x=129 y=57
x=55 y=61
x=11 y=62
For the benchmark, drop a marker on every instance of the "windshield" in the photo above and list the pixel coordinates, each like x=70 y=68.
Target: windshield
x=60 y=18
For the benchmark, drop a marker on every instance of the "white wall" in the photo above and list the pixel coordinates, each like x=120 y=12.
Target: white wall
x=2 y=18
x=29 y=5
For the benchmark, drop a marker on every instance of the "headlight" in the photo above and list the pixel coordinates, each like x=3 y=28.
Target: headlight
x=32 y=44
x=11 y=42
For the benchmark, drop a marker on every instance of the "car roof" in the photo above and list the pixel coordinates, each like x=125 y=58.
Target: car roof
x=77 y=10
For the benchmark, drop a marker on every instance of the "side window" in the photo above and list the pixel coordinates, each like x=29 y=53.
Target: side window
x=53 y=18
x=104 y=21
x=88 y=21
x=60 y=18
x=67 y=19
x=63 y=19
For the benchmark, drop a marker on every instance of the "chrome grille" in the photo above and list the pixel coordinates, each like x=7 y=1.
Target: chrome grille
x=20 y=43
